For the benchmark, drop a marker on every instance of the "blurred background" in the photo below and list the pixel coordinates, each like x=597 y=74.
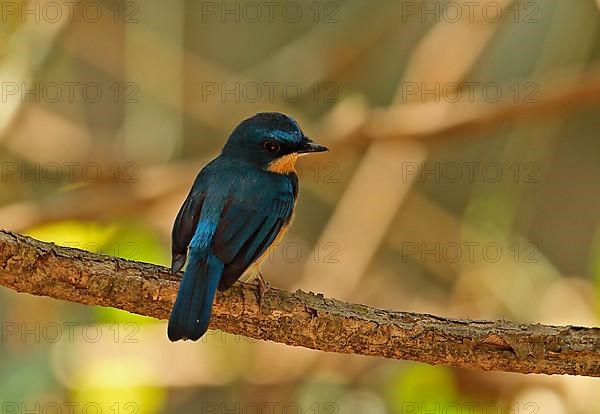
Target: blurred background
x=462 y=181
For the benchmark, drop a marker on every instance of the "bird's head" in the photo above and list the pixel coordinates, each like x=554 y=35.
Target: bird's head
x=270 y=140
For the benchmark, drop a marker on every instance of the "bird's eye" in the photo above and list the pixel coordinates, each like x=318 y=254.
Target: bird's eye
x=271 y=146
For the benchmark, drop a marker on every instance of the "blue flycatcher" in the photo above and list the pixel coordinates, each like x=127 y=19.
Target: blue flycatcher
x=240 y=205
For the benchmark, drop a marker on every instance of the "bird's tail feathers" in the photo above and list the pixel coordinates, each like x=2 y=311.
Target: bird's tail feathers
x=191 y=312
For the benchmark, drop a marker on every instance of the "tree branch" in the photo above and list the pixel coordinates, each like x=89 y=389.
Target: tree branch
x=301 y=319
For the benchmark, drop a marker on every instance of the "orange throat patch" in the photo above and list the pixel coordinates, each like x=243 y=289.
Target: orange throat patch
x=285 y=164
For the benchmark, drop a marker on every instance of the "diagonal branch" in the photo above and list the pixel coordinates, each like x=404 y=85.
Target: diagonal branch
x=302 y=319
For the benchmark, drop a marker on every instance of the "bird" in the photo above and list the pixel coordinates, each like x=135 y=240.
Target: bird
x=239 y=207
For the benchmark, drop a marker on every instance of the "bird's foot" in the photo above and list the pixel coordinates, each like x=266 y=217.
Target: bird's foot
x=263 y=287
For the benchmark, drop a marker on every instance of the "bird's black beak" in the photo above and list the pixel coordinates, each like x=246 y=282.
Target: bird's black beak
x=309 y=146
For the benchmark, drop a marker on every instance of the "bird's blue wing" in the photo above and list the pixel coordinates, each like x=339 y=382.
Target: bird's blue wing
x=186 y=222
x=248 y=228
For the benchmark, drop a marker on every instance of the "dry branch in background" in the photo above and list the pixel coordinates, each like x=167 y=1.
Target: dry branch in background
x=301 y=319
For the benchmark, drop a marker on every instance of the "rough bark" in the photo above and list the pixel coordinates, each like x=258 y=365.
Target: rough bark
x=302 y=319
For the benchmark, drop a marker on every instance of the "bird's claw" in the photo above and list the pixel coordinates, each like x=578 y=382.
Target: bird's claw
x=263 y=287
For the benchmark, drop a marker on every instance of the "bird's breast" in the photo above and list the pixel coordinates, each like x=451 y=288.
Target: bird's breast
x=285 y=164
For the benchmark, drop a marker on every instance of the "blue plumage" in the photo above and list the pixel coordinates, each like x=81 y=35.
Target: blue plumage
x=238 y=206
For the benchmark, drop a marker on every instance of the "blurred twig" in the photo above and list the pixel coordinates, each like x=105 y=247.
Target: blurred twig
x=302 y=319
x=416 y=121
